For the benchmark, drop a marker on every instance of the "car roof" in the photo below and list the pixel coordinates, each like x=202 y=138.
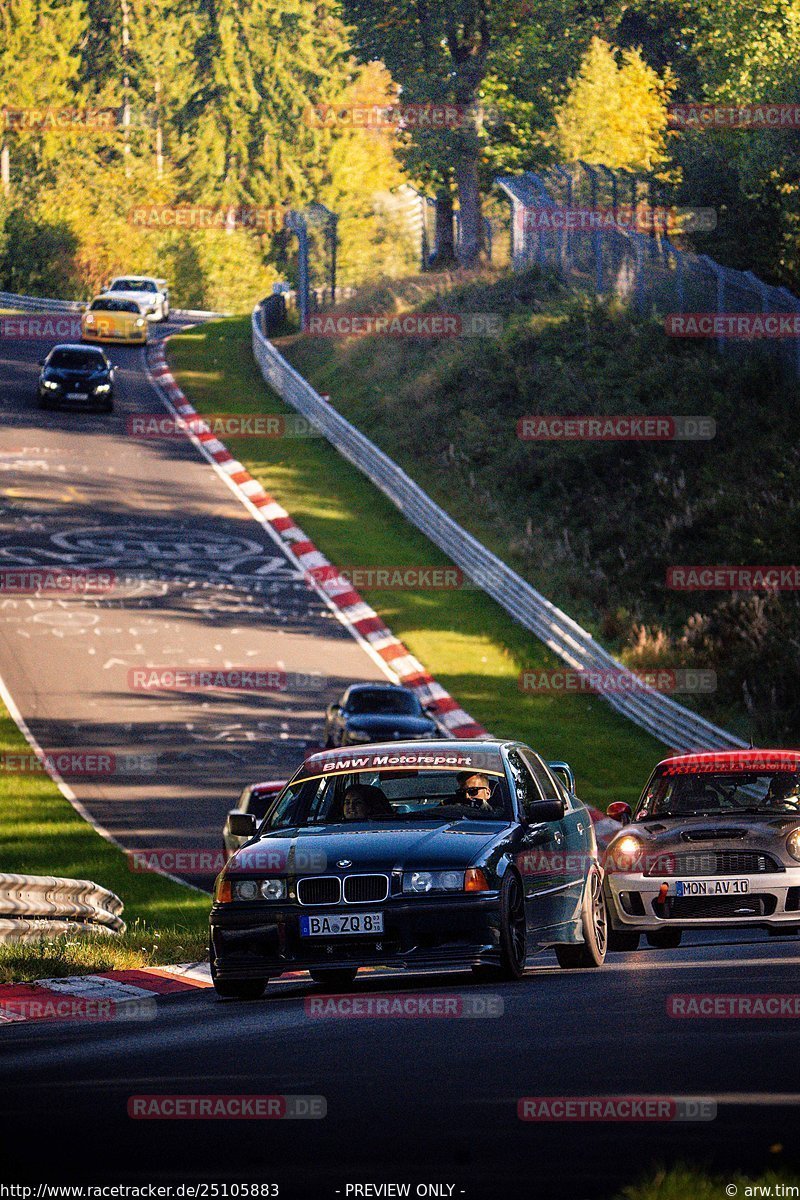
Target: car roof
x=95 y=350
x=136 y=278
x=379 y=686
x=732 y=760
x=445 y=754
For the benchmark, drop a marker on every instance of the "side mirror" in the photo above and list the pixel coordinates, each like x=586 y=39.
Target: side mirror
x=241 y=824
x=334 y=709
x=544 y=810
x=620 y=811
x=564 y=774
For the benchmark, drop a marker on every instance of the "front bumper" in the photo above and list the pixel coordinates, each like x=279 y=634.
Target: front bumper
x=133 y=337
x=771 y=899
x=254 y=940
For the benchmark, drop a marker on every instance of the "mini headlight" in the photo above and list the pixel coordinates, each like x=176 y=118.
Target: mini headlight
x=245 y=889
x=793 y=843
x=624 y=854
x=273 y=889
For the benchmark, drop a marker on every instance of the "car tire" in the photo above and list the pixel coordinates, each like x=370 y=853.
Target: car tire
x=240 y=989
x=335 y=978
x=43 y=403
x=664 y=939
x=108 y=407
x=591 y=952
x=513 y=928
x=623 y=939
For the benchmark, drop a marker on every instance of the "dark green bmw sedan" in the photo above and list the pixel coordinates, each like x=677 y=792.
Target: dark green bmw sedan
x=418 y=855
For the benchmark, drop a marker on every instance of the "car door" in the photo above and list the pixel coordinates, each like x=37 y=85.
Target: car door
x=539 y=855
x=575 y=828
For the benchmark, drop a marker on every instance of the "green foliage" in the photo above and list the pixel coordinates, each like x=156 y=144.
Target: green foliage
x=615 y=112
x=596 y=524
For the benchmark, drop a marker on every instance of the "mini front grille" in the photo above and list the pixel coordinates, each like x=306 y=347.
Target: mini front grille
x=687 y=908
x=318 y=889
x=715 y=862
x=366 y=889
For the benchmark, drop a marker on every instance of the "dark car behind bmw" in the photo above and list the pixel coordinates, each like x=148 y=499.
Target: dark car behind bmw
x=76 y=376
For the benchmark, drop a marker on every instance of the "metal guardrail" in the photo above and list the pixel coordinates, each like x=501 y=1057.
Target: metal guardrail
x=33 y=905
x=673 y=724
x=40 y=304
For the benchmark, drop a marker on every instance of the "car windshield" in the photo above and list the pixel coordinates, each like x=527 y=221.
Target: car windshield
x=133 y=285
x=721 y=793
x=103 y=304
x=383 y=700
x=391 y=797
x=76 y=360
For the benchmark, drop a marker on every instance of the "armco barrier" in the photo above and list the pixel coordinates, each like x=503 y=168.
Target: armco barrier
x=676 y=726
x=39 y=304
x=33 y=905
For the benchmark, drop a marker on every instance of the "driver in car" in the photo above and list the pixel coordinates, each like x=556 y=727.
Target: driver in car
x=474 y=791
x=783 y=791
x=363 y=801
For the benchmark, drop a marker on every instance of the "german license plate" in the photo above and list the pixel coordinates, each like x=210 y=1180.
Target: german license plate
x=712 y=887
x=341 y=924
x=77 y=395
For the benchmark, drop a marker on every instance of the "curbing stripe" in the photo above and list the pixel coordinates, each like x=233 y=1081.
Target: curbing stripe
x=355 y=613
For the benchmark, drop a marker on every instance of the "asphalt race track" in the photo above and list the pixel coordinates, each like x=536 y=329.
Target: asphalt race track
x=426 y=1099
x=204 y=586
x=430 y=1100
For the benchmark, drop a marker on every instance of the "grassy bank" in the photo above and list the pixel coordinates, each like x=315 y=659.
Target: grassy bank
x=467 y=641
x=42 y=834
x=596 y=524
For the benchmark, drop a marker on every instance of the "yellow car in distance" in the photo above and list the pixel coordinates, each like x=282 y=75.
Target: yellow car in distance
x=108 y=319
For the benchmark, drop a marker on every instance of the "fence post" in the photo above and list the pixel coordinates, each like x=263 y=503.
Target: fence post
x=597 y=241
x=565 y=254
x=719 y=274
x=794 y=303
x=296 y=222
x=679 y=279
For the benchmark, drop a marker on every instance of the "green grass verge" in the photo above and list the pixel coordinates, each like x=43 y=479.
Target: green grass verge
x=42 y=834
x=686 y=1183
x=467 y=641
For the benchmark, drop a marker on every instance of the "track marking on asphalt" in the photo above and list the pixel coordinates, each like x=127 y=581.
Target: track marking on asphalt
x=702 y=964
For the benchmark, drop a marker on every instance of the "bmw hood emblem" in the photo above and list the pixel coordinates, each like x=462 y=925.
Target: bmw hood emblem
x=344 y=862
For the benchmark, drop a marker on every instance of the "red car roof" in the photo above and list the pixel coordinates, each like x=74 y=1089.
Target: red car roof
x=731 y=760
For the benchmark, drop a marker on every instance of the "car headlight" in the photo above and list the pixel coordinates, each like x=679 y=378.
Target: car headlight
x=273 y=889
x=140 y=321
x=793 y=843
x=416 y=883
x=102 y=388
x=90 y=320
x=50 y=383
x=623 y=855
